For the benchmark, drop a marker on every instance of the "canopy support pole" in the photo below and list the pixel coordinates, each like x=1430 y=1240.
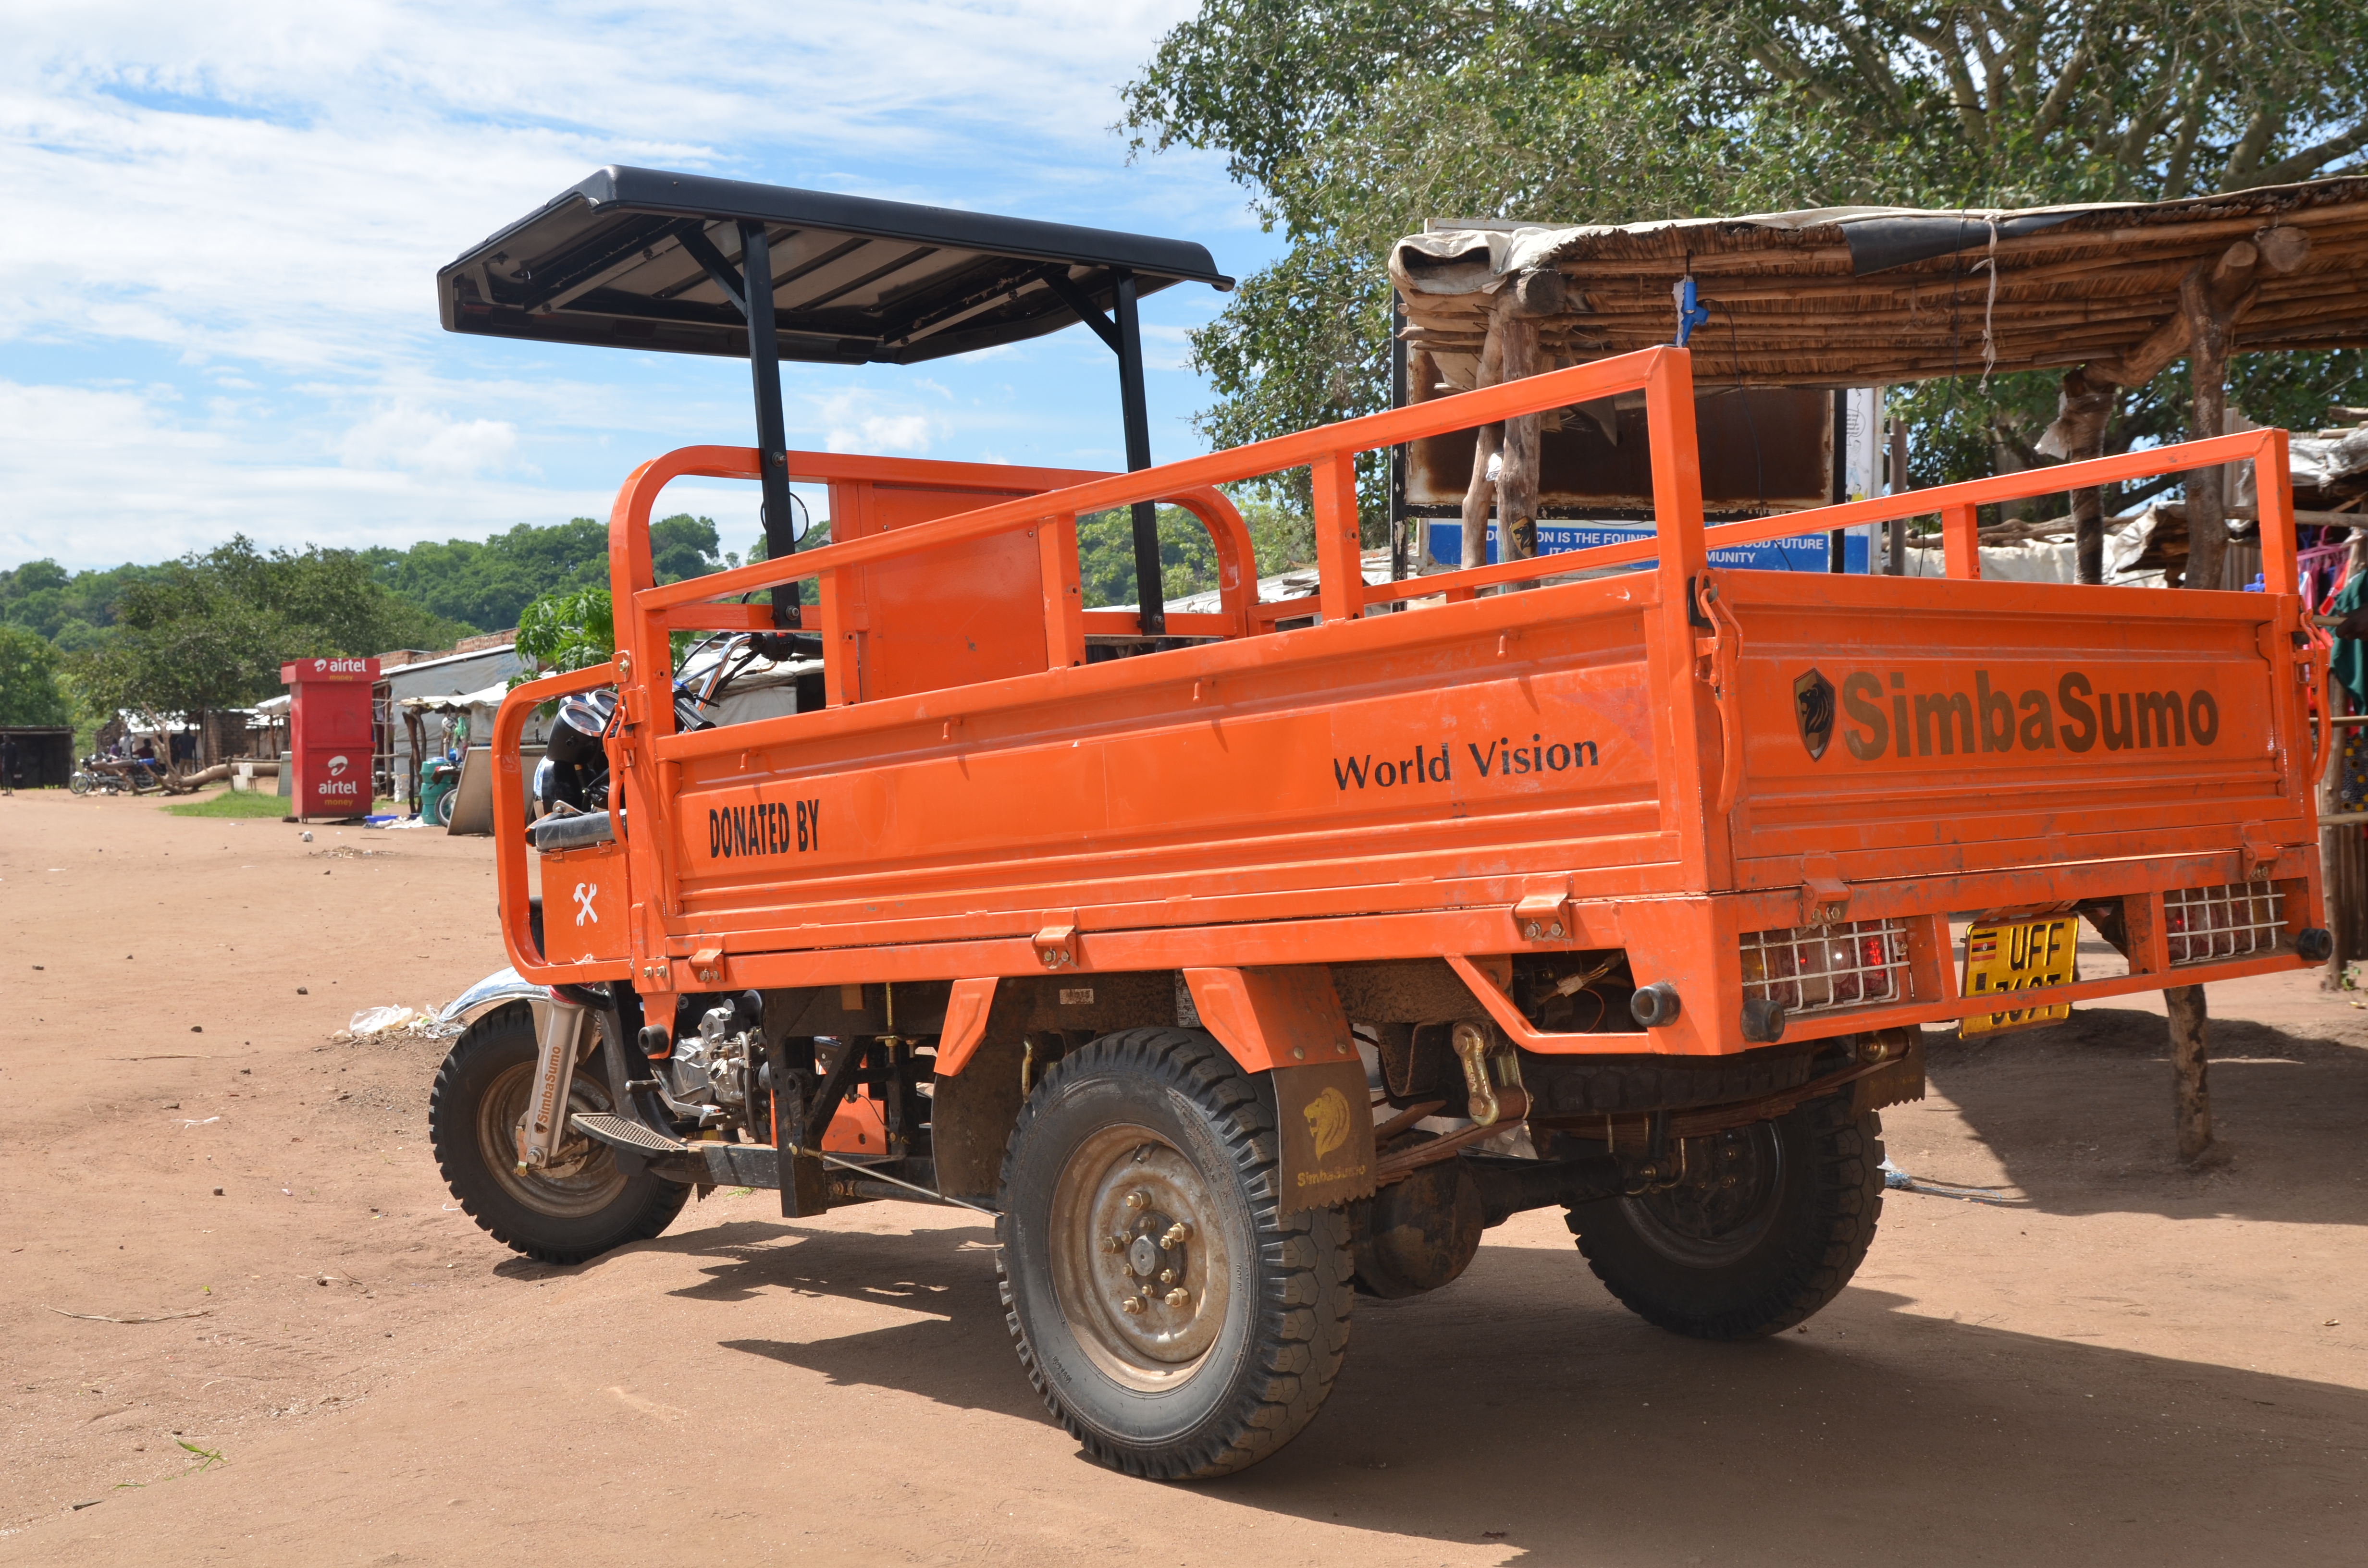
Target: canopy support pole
x=1125 y=339
x=1150 y=593
x=772 y=440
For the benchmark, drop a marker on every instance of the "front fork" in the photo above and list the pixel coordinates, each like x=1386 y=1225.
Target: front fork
x=540 y=1130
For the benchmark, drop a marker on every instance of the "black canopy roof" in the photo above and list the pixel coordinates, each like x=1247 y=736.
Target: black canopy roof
x=640 y=258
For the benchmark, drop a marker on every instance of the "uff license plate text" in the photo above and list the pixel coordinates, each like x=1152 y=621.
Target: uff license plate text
x=2021 y=955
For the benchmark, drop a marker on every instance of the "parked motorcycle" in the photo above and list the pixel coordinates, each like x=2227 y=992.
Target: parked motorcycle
x=117 y=776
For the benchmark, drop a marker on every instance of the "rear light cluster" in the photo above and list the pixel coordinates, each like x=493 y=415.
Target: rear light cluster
x=1813 y=969
x=2200 y=925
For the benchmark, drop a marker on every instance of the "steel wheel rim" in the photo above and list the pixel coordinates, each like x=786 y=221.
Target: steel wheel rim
x=1704 y=1225
x=1128 y=1185
x=582 y=1178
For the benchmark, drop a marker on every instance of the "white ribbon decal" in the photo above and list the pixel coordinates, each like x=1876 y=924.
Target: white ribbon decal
x=583 y=891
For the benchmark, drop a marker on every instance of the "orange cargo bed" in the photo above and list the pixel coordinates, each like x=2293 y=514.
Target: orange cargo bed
x=1758 y=786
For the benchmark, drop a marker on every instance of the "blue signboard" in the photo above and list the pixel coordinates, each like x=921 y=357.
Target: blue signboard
x=1443 y=545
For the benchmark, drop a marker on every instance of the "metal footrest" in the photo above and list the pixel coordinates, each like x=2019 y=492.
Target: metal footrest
x=624 y=1133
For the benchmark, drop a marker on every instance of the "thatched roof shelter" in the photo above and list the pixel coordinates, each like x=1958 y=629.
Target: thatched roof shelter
x=2112 y=292
x=1860 y=296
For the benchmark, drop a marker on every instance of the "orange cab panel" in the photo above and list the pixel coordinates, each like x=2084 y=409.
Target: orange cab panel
x=923 y=623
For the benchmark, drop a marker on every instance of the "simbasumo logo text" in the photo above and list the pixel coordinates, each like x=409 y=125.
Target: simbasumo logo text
x=1881 y=717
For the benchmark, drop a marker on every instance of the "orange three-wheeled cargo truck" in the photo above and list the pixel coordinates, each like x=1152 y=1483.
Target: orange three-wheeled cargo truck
x=1241 y=961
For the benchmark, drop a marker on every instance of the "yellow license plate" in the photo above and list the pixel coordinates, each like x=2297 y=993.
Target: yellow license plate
x=2022 y=954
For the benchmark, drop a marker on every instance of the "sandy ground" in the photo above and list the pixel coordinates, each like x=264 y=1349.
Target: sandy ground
x=2117 y=1359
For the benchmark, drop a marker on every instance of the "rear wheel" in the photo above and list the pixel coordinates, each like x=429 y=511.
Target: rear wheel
x=1765 y=1225
x=1177 y=1325
x=577 y=1206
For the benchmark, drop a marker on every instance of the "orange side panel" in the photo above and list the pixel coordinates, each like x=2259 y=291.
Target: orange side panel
x=583 y=906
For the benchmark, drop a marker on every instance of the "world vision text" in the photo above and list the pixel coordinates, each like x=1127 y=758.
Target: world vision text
x=1881 y=717
x=769 y=827
x=1499 y=759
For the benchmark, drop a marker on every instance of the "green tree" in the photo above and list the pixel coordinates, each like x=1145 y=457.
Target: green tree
x=563 y=631
x=28 y=680
x=70 y=609
x=487 y=583
x=1354 y=124
x=211 y=631
x=1188 y=561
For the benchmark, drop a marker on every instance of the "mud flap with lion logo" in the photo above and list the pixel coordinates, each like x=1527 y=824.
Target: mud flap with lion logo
x=1327 y=1134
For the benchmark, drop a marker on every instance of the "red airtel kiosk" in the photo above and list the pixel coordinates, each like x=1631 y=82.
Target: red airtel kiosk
x=329 y=736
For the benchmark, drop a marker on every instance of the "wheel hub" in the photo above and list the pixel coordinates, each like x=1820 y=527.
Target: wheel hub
x=580 y=1178
x=1144 y=1293
x=1724 y=1204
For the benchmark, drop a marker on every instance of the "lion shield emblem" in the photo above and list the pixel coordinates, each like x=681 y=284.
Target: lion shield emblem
x=1328 y=1121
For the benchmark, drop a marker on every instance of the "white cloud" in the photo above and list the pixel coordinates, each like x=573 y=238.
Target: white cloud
x=216 y=276
x=427 y=441
x=856 y=422
x=94 y=477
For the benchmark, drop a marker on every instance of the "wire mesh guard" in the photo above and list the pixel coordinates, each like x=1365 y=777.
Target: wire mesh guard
x=2200 y=925
x=1813 y=969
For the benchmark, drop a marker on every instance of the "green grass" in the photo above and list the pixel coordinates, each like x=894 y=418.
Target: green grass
x=232 y=803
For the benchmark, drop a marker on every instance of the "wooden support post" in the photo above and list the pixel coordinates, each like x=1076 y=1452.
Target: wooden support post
x=1894 y=532
x=1479 y=492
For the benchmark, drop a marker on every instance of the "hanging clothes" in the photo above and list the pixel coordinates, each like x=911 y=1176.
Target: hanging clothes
x=2350 y=663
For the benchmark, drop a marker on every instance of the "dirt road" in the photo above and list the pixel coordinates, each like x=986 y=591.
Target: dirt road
x=2115 y=1360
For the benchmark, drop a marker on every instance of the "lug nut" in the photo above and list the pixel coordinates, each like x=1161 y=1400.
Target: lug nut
x=1130 y=1305
x=1137 y=1198
x=1179 y=1298
x=1167 y=1277
x=1113 y=1244
x=1178 y=1234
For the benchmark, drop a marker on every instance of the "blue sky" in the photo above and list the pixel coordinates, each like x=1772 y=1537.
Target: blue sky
x=216 y=308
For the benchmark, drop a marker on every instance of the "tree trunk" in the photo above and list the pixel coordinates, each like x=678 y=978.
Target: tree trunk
x=1517 y=477
x=2207 y=504
x=2207 y=544
x=2191 y=1092
x=1479 y=491
x=2082 y=409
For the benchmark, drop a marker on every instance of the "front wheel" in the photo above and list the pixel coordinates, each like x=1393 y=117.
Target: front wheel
x=79 y=784
x=1764 y=1226
x=578 y=1206
x=1176 y=1322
